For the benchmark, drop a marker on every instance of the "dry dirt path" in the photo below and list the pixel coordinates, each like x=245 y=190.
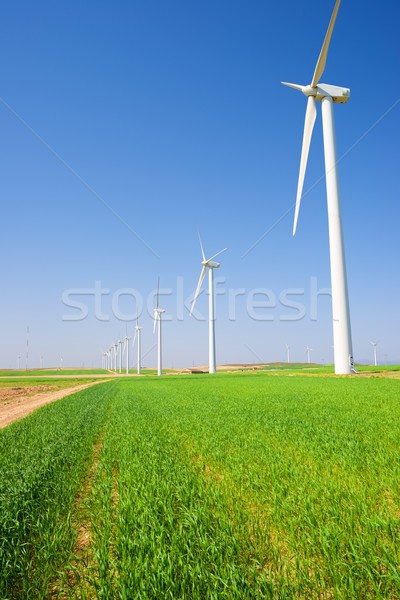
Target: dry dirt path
x=22 y=406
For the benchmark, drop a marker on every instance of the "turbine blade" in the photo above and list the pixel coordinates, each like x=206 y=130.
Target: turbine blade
x=293 y=85
x=134 y=339
x=311 y=114
x=201 y=246
x=319 y=69
x=202 y=275
x=220 y=252
x=158 y=287
x=155 y=315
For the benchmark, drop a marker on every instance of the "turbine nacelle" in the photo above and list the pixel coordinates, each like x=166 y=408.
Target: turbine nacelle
x=211 y=264
x=339 y=95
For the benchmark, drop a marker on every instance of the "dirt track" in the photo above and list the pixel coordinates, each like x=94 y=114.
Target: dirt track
x=20 y=407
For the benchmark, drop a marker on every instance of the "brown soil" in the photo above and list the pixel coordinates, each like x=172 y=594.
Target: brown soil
x=10 y=393
x=23 y=401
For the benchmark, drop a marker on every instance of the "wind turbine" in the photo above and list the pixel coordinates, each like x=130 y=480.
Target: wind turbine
x=157 y=312
x=138 y=335
x=328 y=95
x=308 y=350
x=19 y=361
x=115 y=355
x=120 y=355
x=127 y=339
x=288 y=353
x=209 y=264
x=374 y=345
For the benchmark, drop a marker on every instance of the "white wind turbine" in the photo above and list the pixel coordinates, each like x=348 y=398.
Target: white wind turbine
x=327 y=95
x=308 y=350
x=126 y=349
x=138 y=335
x=374 y=345
x=288 y=352
x=115 y=355
x=209 y=264
x=120 y=342
x=157 y=312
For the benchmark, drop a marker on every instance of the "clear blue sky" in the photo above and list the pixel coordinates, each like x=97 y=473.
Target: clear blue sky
x=128 y=126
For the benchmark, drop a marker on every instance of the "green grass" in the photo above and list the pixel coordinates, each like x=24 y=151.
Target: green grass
x=50 y=372
x=42 y=462
x=377 y=369
x=257 y=485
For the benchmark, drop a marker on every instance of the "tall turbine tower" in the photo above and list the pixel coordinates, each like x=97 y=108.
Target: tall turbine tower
x=288 y=353
x=374 y=345
x=209 y=264
x=328 y=95
x=120 y=355
x=308 y=350
x=138 y=336
x=115 y=355
x=157 y=312
x=127 y=340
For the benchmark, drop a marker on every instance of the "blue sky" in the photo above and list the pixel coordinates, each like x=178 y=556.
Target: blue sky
x=128 y=126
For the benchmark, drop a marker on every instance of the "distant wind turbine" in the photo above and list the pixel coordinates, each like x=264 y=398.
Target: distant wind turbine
x=115 y=355
x=138 y=336
x=120 y=355
x=288 y=353
x=327 y=95
x=374 y=345
x=19 y=361
x=126 y=349
x=209 y=264
x=308 y=350
x=157 y=312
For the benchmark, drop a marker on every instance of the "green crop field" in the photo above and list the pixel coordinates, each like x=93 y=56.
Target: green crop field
x=50 y=372
x=247 y=485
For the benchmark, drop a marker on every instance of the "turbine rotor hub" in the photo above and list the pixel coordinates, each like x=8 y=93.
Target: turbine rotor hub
x=309 y=91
